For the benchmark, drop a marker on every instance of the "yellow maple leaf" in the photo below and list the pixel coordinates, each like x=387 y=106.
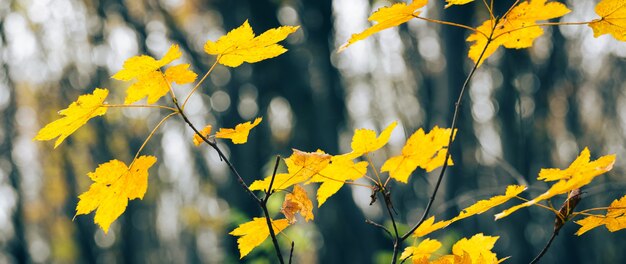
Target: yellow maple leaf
x=151 y=82
x=580 y=173
x=297 y=201
x=386 y=17
x=114 y=184
x=253 y=233
x=301 y=167
x=365 y=140
x=240 y=45
x=77 y=114
x=478 y=248
x=239 y=135
x=341 y=169
x=517 y=30
x=611 y=21
x=484 y=205
x=457 y=2
x=427 y=151
x=614 y=220
x=429 y=226
x=206 y=131
x=423 y=250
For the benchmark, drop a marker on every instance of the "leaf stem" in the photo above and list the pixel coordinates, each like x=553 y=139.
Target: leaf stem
x=199 y=82
x=139 y=106
x=150 y=136
x=369 y=160
x=451 y=24
x=540 y=205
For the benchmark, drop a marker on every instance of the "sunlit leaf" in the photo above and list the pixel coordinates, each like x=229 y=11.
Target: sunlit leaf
x=114 y=184
x=386 y=17
x=427 y=151
x=478 y=248
x=240 y=45
x=342 y=168
x=206 y=131
x=612 y=19
x=74 y=116
x=580 y=173
x=423 y=250
x=239 y=135
x=301 y=167
x=365 y=140
x=614 y=220
x=517 y=30
x=253 y=233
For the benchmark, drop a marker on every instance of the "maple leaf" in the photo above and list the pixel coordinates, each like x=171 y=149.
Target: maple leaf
x=611 y=21
x=114 y=184
x=517 y=30
x=341 y=169
x=429 y=226
x=580 y=173
x=387 y=17
x=457 y=2
x=484 y=205
x=423 y=250
x=151 y=82
x=301 y=167
x=478 y=248
x=77 y=114
x=297 y=201
x=614 y=220
x=206 y=131
x=427 y=151
x=239 y=135
x=240 y=45
x=365 y=140
x=253 y=233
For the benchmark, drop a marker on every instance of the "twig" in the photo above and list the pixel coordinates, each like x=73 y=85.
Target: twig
x=291 y=252
x=545 y=249
x=445 y=163
x=367 y=221
x=268 y=193
x=396 y=240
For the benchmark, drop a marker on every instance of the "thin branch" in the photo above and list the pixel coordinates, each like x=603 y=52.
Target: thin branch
x=138 y=106
x=545 y=249
x=453 y=127
x=396 y=241
x=269 y=191
x=367 y=221
x=199 y=82
x=268 y=220
x=452 y=24
x=291 y=252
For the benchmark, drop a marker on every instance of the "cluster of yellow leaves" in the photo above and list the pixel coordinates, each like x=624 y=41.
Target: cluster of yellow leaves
x=429 y=225
x=580 y=173
x=427 y=151
x=476 y=249
x=297 y=201
x=114 y=184
x=387 y=17
x=614 y=220
x=518 y=29
x=240 y=45
x=74 y=116
x=151 y=82
x=611 y=21
x=253 y=233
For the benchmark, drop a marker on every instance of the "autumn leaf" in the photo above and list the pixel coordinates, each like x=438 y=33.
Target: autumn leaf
x=423 y=250
x=342 y=168
x=484 y=205
x=114 y=184
x=478 y=248
x=301 y=167
x=614 y=220
x=253 y=233
x=239 y=135
x=612 y=19
x=74 y=116
x=427 y=151
x=151 y=82
x=365 y=140
x=240 y=45
x=297 y=201
x=517 y=30
x=386 y=17
x=457 y=2
x=206 y=131
x=429 y=226
x=580 y=173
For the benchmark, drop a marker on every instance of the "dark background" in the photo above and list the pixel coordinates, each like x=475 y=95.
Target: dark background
x=525 y=110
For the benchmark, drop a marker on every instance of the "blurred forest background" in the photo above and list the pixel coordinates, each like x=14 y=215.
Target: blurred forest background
x=525 y=110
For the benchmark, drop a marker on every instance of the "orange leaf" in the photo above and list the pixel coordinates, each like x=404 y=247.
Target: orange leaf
x=206 y=131
x=297 y=201
x=301 y=167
